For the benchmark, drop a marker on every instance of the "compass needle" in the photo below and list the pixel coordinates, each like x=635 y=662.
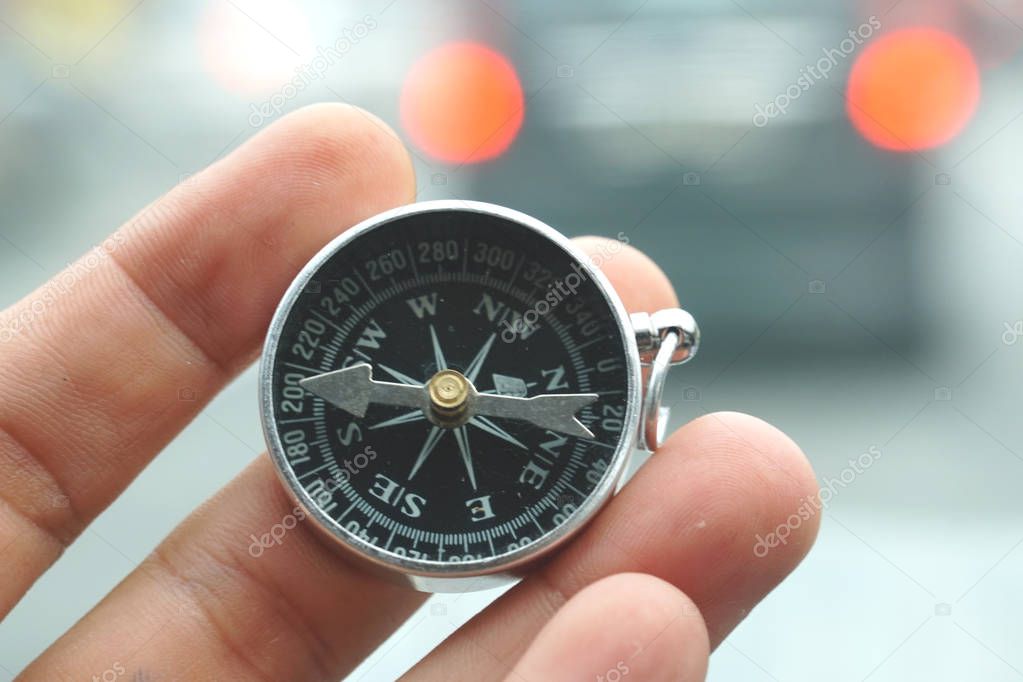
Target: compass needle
x=554 y=412
x=353 y=389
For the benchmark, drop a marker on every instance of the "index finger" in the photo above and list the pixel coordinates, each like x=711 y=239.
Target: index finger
x=117 y=354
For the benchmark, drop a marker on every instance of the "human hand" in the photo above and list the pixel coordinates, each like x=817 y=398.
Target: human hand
x=181 y=297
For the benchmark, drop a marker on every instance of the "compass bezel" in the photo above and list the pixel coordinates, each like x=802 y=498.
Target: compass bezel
x=431 y=575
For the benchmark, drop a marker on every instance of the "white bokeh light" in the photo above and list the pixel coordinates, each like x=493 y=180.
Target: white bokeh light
x=251 y=47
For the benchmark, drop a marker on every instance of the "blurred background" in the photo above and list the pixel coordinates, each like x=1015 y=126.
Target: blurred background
x=834 y=188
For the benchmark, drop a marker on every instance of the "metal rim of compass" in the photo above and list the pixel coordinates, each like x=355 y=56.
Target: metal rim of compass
x=432 y=575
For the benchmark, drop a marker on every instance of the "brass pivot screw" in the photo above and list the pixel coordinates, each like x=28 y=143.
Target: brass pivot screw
x=449 y=391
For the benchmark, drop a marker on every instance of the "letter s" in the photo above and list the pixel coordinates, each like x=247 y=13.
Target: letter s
x=411 y=507
x=352 y=432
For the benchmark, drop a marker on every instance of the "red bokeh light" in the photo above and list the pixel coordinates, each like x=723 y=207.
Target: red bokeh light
x=462 y=103
x=990 y=29
x=913 y=89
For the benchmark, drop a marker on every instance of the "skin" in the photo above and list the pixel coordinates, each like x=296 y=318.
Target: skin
x=185 y=292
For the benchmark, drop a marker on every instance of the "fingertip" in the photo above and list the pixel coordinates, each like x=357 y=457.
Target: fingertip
x=354 y=148
x=224 y=244
x=764 y=455
x=758 y=489
x=639 y=281
x=624 y=624
x=772 y=476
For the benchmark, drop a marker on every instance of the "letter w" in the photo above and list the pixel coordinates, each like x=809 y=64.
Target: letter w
x=425 y=304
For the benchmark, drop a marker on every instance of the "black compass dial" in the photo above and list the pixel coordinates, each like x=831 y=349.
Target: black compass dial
x=511 y=314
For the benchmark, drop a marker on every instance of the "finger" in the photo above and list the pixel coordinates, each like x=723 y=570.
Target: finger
x=209 y=605
x=243 y=589
x=642 y=286
x=625 y=625
x=111 y=359
x=691 y=516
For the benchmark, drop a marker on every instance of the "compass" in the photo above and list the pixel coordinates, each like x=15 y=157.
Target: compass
x=451 y=390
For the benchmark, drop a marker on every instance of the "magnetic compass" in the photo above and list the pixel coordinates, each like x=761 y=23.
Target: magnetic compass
x=452 y=389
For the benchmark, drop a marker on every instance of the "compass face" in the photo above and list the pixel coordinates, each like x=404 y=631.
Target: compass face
x=499 y=302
